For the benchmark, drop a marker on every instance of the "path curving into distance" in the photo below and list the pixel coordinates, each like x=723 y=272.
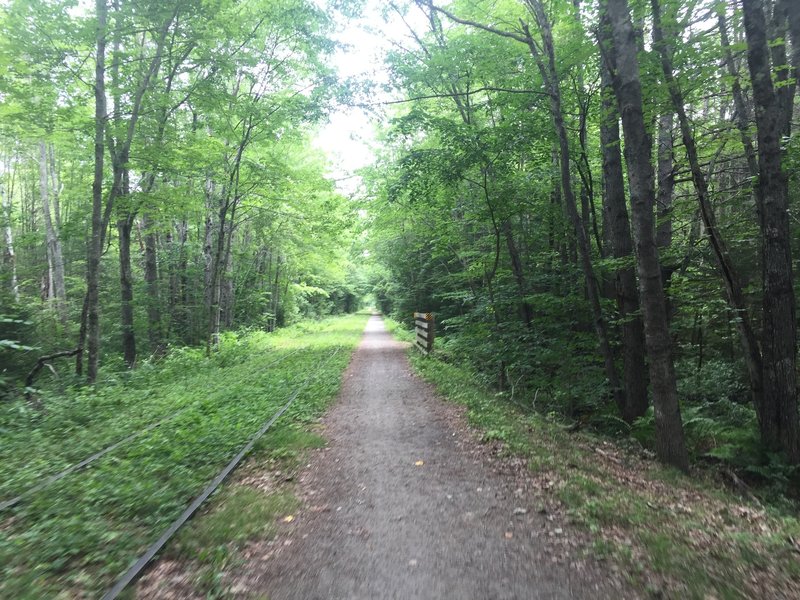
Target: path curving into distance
x=377 y=525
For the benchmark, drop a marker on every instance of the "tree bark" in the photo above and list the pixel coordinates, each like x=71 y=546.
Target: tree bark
x=665 y=182
x=9 y=257
x=55 y=257
x=208 y=245
x=275 y=297
x=95 y=243
x=632 y=329
x=730 y=276
x=124 y=229
x=525 y=309
x=782 y=70
x=618 y=43
x=154 y=333
x=547 y=68
x=778 y=417
x=742 y=112
x=226 y=298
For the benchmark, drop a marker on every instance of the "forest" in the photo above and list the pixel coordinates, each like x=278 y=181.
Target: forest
x=159 y=184
x=597 y=199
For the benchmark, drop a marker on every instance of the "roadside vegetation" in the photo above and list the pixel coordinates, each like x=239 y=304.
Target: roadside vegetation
x=75 y=536
x=672 y=535
x=536 y=146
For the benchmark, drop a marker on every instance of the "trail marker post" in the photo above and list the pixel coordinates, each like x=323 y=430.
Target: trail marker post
x=425 y=327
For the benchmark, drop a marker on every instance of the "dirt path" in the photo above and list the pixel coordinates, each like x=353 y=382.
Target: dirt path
x=379 y=525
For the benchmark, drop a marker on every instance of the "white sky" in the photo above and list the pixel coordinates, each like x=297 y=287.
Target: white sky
x=349 y=138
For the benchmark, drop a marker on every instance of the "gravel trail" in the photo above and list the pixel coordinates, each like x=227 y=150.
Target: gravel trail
x=397 y=506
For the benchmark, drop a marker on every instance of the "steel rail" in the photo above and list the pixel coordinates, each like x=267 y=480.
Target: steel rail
x=6 y=504
x=136 y=569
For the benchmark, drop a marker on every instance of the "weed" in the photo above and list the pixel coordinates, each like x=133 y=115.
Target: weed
x=240 y=513
x=696 y=538
x=84 y=530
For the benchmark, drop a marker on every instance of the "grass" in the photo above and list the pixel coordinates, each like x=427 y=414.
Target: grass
x=76 y=536
x=675 y=536
x=240 y=514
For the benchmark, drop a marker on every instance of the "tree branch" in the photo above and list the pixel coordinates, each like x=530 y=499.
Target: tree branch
x=453 y=95
x=40 y=363
x=508 y=34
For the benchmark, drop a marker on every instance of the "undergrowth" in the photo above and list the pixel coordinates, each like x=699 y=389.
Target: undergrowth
x=77 y=535
x=683 y=537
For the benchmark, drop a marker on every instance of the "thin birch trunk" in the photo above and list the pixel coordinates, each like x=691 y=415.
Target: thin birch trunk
x=9 y=257
x=55 y=257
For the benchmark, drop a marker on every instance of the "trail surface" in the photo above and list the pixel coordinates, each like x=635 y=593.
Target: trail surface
x=400 y=505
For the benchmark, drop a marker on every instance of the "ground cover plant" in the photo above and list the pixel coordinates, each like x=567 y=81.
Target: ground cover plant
x=76 y=535
x=673 y=535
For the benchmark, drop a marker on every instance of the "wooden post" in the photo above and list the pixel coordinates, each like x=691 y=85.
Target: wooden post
x=424 y=325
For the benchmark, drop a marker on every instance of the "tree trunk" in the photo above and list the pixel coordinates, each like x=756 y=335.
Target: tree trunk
x=547 y=67
x=525 y=309
x=781 y=69
x=95 y=243
x=124 y=228
x=633 y=343
x=666 y=184
x=55 y=187
x=793 y=20
x=227 y=297
x=665 y=160
x=178 y=285
x=9 y=257
x=218 y=265
x=731 y=279
x=208 y=245
x=55 y=257
x=619 y=46
x=778 y=417
x=740 y=106
x=275 y=298
x=151 y=280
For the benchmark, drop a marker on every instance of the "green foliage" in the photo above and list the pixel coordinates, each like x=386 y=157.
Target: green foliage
x=15 y=330
x=696 y=538
x=467 y=219
x=239 y=514
x=252 y=75
x=82 y=531
x=715 y=380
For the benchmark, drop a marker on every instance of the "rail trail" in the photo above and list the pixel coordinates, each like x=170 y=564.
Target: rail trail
x=141 y=563
x=403 y=504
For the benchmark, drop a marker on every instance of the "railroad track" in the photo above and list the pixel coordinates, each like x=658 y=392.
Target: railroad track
x=47 y=481
x=143 y=561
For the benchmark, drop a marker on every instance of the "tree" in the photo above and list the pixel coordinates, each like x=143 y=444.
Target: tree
x=619 y=45
x=92 y=308
x=778 y=416
x=546 y=63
